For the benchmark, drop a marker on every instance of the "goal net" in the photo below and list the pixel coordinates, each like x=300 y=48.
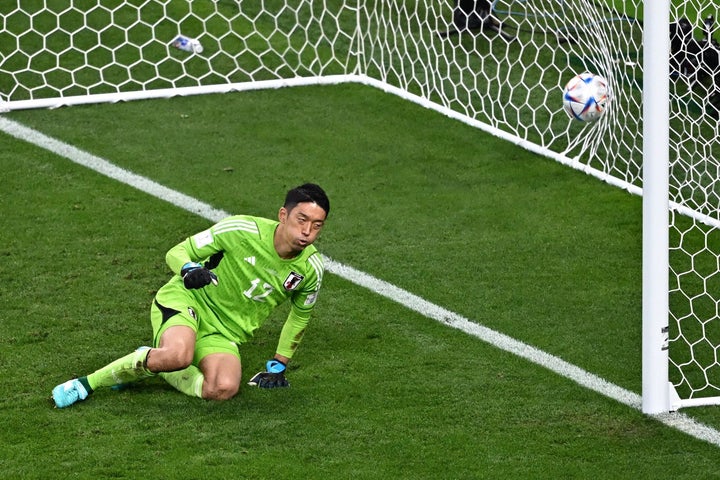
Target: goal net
x=497 y=65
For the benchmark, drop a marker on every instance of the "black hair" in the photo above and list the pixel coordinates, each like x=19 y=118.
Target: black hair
x=308 y=192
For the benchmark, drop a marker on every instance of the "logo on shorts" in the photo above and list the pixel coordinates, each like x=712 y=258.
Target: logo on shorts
x=191 y=312
x=292 y=281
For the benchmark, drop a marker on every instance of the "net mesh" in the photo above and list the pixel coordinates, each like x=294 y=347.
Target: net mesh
x=69 y=48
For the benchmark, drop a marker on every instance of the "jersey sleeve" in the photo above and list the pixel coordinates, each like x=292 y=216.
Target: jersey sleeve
x=292 y=332
x=202 y=245
x=177 y=256
x=301 y=307
x=304 y=299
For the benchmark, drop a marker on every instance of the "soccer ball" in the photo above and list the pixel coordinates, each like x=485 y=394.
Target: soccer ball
x=586 y=97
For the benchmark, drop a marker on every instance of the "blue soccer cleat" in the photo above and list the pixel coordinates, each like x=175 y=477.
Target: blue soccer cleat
x=68 y=393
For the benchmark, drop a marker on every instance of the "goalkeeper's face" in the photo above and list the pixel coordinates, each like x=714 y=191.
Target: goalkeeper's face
x=299 y=227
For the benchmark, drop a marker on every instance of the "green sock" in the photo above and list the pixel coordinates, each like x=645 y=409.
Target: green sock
x=127 y=369
x=189 y=380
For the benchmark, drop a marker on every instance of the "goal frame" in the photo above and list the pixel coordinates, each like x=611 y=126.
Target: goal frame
x=656 y=387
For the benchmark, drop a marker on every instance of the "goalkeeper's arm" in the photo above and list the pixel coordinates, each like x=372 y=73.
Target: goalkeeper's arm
x=290 y=337
x=178 y=256
x=292 y=332
x=194 y=274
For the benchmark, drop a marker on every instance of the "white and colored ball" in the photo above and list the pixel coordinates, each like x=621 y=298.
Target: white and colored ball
x=586 y=97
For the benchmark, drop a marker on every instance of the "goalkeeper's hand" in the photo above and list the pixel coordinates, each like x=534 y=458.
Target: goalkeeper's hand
x=194 y=275
x=273 y=377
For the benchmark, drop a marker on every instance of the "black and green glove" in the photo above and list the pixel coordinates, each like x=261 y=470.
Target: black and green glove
x=194 y=276
x=273 y=377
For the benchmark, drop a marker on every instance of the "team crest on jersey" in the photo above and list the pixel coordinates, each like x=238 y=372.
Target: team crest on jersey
x=292 y=281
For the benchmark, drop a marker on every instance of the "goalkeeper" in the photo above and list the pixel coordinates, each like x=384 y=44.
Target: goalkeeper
x=229 y=279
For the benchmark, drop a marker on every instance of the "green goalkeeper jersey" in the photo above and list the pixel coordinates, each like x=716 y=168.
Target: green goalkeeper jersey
x=252 y=279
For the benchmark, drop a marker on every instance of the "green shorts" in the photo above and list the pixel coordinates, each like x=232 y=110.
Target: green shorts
x=175 y=305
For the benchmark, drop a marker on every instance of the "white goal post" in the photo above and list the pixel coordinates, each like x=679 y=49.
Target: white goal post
x=655 y=332
x=498 y=65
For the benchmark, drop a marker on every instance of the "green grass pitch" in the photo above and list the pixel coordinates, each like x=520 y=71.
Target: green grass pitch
x=504 y=238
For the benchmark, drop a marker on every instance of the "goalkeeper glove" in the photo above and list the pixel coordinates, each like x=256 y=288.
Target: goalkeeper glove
x=272 y=378
x=194 y=275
